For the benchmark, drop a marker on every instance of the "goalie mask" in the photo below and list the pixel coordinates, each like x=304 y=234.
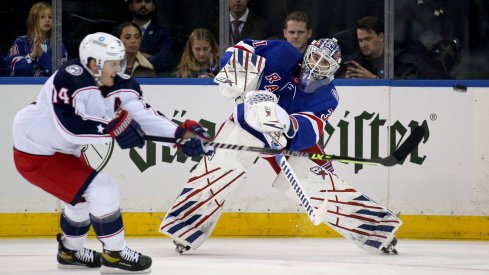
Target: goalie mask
x=102 y=47
x=321 y=61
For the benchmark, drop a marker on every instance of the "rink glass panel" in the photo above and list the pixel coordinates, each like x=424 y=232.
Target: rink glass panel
x=453 y=35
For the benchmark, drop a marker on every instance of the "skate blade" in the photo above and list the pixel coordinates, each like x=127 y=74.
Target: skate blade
x=72 y=266
x=112 y=270
x=180 y=248
x=389 y=252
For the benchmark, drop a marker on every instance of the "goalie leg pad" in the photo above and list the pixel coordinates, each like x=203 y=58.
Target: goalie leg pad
x=349 y=212
x=309 y=171
x=358 y=218
x=194 y=214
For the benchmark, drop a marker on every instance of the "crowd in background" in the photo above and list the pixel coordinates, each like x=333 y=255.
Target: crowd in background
x=168 y=38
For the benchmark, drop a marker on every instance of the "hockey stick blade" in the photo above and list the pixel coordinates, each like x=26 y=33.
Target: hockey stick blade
x=397 y=157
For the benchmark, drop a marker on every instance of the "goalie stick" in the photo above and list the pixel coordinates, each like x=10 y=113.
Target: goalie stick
x=397 y=157
x=316 y=215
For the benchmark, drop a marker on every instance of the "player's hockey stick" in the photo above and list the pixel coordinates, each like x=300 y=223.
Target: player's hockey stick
x=396 y=157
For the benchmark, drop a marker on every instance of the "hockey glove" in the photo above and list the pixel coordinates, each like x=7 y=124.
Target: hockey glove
x=240 y=74
x=126 y=131
x=193 y=136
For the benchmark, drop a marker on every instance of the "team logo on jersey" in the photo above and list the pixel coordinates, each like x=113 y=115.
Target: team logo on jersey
x=271 y=88
x=14 y=50
x=274 y=77
x=74 y=70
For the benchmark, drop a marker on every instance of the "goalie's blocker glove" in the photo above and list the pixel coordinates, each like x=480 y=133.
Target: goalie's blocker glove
x=126 y=131
x=193 y=136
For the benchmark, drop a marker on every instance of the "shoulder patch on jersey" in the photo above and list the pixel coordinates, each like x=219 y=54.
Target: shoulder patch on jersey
x=75 y=70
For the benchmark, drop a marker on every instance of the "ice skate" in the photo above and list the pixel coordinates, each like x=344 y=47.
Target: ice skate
x=125 y=261
x=83 y=258
x=390 y=248
x=180 y=248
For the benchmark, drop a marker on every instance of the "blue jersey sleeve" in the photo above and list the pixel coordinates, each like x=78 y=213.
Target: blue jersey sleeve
x=282 y=61
x=22 y=65
x=310 y=113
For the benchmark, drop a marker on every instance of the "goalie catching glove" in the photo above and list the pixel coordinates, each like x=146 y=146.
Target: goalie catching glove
x=193 y=136
x=240 y=74
x=126 y=131
x=263 y=114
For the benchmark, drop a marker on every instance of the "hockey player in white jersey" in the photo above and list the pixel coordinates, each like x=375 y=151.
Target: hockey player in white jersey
x=90 y=101
x=284 y=99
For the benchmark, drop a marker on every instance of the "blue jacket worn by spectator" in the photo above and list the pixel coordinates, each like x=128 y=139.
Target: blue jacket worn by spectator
x=159 y=42
x=22 y=65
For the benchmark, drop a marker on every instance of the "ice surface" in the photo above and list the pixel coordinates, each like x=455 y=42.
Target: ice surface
x=266 y=256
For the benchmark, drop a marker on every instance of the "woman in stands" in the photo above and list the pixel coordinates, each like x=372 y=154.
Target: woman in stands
x=200 y=57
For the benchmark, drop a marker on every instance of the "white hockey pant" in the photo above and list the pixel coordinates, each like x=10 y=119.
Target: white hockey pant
x=101 y=210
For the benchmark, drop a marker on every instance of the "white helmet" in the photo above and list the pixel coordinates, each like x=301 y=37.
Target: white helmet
x=321 y=61
x=101 y=47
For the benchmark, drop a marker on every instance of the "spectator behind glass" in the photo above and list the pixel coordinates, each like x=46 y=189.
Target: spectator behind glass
x=369 y=61
x=200 y=57
x=245 y=24
x=30 y=55
x=297 y=30
x=158 y=43
x=137 y=65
